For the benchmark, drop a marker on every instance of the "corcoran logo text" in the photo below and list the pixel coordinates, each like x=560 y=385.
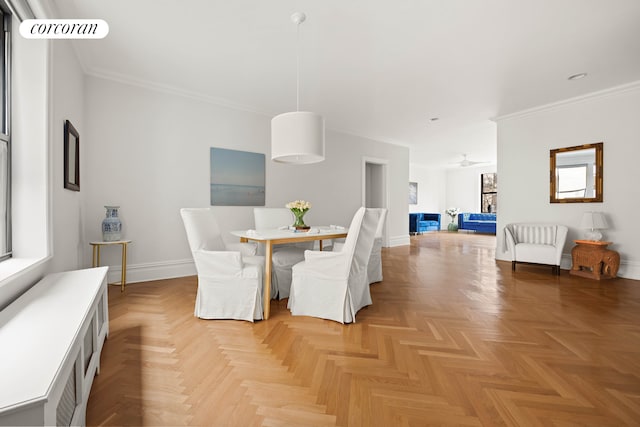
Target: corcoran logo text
x=64 y=29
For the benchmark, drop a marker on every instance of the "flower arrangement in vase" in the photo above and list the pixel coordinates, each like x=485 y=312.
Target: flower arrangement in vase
x=452 y=212
x=299 y=208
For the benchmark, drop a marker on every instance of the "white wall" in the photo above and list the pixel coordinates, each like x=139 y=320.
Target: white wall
x=70 y=250
x=47 y=88
x=524 y=141
x=463 y=187
x=148 y=152
x=440 y=189
x=432 y=189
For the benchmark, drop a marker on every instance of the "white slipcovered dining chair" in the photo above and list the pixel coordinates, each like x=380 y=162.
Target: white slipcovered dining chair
x=333 y=285
x=229 y=275
x=374 y=269
x=284 y=256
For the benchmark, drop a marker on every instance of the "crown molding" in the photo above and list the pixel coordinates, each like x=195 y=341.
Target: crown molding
x=172 y=90
x=616 y=90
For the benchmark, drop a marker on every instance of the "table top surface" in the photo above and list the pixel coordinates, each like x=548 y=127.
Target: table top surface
x=319 y=233
x=592 y=242
x=115 y=242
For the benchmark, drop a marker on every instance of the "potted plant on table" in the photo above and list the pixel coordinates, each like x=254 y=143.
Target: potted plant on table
x=452 y=212
x=299 y=208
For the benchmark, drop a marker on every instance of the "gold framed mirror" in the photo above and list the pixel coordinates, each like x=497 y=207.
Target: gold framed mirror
x=576 y=174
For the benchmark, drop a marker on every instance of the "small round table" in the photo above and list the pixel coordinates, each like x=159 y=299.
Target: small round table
x=593 y=260
x=96 y=258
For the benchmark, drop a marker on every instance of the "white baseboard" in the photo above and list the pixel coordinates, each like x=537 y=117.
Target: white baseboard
x=154 y=271
x=402 y=240
x=629 y=270
x=186 y=267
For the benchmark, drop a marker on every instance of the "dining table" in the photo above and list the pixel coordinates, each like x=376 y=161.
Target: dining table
x=280 y=236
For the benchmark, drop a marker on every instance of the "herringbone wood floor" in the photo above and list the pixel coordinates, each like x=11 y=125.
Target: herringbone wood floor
x=452 y=338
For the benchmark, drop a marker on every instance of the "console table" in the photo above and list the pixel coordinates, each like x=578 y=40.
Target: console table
x=50 y=343
x=592 y=259
x=96 y=258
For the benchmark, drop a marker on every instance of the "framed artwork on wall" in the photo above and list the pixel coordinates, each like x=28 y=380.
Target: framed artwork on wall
x=71 y=157
x=413 y=193
x=237 y=178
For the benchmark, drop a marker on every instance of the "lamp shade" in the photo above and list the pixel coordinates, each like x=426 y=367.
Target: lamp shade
x=593 y=221
x=297 y=137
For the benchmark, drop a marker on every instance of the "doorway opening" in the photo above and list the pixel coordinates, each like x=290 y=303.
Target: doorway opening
x=374 y=188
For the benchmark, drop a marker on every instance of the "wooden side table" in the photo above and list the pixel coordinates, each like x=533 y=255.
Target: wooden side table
x=96 y=258
x=592 y=259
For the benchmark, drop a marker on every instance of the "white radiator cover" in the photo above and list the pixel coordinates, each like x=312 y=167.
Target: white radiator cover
x=51 y=338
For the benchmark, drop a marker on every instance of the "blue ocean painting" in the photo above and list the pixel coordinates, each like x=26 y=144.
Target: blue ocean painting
x=237 y=178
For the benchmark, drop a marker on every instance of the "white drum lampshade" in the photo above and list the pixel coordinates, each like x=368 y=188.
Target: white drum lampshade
x=297 y=137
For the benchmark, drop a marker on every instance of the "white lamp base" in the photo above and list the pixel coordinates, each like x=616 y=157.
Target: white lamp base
x=594 y=235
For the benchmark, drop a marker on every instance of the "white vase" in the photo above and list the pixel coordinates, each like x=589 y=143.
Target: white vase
x=111 y=225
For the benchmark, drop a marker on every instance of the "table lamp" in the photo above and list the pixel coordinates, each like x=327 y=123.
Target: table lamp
x=593 y=222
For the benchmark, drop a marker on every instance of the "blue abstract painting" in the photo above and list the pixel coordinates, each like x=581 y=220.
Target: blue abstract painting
x=237 y=178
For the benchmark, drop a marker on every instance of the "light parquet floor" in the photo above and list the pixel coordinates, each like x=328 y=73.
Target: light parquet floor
x=452 y=338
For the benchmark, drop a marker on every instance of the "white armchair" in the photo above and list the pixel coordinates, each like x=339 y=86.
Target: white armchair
x=535 y=243
x=284 y=256
x=229 y=276
x=334 y=285
x=374 y=269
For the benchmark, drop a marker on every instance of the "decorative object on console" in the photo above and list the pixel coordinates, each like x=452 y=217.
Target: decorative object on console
x=452 y=212
x=299 y=208
x=297 y=137
x=592 y=259
x=593 y=221
x=111 y=225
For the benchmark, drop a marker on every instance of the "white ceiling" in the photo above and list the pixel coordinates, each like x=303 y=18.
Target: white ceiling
x=375 y=68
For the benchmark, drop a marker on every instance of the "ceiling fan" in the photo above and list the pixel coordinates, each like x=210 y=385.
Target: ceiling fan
x=466 y=162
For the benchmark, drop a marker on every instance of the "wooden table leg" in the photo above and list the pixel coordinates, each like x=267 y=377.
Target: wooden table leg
x=267 y=278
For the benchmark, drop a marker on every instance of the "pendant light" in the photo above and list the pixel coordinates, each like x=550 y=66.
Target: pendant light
x=297 y=137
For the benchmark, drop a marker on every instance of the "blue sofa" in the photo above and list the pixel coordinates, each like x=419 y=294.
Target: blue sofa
x=479 y=222
x=421 y=222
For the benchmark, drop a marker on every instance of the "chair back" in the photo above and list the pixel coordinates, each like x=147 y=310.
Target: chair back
x=382 y=216
x=270 y=218
x=538 y=233
x=202 y=229
x=363 y=243
x=352 y=234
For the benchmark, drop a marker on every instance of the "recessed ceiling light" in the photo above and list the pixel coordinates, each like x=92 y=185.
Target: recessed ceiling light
x=577 y=76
